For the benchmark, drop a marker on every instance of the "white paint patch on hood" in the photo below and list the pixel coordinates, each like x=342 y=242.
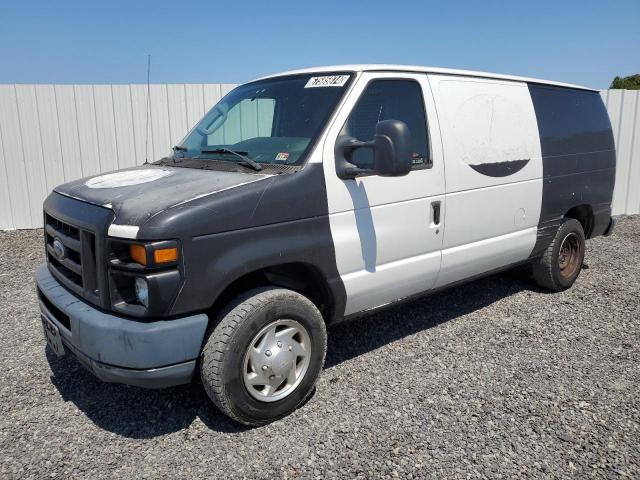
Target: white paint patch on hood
x=123 y=231
x=127 y=178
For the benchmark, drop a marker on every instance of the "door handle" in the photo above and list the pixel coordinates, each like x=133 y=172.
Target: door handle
x=435 y=211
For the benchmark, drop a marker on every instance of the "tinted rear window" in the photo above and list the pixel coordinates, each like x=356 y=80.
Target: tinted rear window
x=571 y=121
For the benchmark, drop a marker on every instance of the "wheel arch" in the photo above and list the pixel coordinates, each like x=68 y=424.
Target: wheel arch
x=302 y=277
x=584 y=214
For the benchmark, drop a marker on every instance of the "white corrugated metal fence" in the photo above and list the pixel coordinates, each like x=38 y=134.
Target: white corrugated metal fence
x=624 y=112
x=52 y=134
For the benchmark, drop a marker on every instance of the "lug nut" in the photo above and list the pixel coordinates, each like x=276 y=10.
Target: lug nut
x=268 y=353
x=279 y=344
x=264 y=367
x=290 y=348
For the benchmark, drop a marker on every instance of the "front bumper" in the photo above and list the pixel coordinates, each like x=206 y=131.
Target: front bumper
x=149 y=353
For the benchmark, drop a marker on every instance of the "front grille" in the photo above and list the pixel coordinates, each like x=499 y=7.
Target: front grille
x=71 y=254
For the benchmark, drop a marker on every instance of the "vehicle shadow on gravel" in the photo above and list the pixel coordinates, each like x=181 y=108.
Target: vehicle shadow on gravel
x=135 y=412
x=362 y=335
x=139 y=413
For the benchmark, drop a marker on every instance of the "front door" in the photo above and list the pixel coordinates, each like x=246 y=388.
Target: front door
x=387 y=231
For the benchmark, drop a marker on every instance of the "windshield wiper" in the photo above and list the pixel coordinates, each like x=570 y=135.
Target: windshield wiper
x=241 y=155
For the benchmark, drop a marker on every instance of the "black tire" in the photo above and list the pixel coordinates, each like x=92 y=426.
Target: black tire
x=222 y=357
x=548 y=271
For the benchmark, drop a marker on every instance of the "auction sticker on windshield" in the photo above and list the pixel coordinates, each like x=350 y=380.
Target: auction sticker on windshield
x=327 y=81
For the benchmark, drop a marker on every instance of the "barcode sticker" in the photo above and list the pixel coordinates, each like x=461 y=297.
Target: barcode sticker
x=327 y=81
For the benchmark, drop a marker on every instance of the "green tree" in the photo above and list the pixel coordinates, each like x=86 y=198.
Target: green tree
x=632 y=82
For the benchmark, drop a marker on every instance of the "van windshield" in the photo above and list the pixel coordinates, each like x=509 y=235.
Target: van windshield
x=273 y=121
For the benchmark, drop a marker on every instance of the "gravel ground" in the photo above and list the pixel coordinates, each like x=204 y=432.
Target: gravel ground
x=492 y=379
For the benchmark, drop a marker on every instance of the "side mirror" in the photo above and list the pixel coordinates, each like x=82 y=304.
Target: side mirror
x=391 y=152
x=392 y=149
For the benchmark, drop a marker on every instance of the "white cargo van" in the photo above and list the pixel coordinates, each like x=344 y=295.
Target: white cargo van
x=309 y=197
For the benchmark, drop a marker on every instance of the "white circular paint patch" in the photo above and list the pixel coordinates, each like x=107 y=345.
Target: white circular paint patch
x=127 y=178
x=491 y=129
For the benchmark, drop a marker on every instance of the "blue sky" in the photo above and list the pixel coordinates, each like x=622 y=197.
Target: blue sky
x=586 y=42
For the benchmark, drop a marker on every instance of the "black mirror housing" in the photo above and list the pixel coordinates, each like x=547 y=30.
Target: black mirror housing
x=391 y=152
x=392 y=149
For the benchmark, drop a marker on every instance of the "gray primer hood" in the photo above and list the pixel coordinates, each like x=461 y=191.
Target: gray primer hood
x=137 y=194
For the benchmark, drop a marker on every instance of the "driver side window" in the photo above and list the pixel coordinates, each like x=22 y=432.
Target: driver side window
x=389 y=100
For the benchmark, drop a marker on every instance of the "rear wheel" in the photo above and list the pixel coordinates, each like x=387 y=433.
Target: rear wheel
x=560 y=265
x=262 y=359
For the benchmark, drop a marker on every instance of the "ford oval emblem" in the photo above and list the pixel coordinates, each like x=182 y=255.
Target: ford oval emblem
x=59 y=249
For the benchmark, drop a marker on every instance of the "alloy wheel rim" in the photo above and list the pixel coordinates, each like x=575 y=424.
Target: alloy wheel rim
x=276 y=360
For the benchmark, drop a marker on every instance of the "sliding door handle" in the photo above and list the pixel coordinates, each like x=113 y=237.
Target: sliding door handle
x=435 y=212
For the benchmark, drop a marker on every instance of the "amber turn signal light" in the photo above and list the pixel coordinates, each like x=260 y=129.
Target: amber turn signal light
x=138 y=254
x=165 y=255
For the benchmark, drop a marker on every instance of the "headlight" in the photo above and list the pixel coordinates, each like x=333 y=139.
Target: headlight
x=138 y=254
x=144 y=278
x=142 y=291
x=162 y=253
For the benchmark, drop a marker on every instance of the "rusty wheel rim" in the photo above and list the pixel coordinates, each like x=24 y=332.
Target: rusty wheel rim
x=570 y=256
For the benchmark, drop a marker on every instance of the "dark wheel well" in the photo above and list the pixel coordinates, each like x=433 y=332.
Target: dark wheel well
x=584 y=214
x=299 y=277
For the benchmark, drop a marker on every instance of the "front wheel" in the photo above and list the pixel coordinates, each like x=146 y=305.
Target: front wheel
x=561 y=262
x=262 y=359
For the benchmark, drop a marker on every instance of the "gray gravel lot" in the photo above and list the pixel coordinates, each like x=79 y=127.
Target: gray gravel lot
x=492 y=379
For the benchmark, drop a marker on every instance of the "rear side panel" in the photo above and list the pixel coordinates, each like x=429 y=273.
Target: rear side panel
x=578 y=158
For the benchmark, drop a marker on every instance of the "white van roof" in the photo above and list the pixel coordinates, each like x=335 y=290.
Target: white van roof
x=416 y=68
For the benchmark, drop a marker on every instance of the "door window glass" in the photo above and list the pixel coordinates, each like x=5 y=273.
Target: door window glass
x=389 y=100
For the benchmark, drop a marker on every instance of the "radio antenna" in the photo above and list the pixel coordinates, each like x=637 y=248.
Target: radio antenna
x=146 y=141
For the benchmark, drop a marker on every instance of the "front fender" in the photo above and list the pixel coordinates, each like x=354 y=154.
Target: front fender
x=248 y=250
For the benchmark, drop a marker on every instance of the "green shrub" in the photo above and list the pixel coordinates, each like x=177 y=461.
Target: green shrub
x=632 y=82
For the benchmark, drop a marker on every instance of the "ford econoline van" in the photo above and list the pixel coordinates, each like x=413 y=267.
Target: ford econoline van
x=310 y=197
